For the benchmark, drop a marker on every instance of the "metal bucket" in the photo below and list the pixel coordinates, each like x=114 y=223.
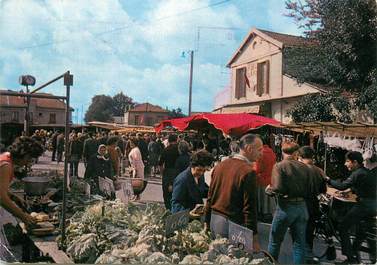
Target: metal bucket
x=35 y=186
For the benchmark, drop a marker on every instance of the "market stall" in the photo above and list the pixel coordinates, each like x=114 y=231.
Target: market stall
x=230 y=124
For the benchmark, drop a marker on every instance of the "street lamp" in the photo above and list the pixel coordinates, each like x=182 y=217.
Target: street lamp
x=27 y=80
x=191 y=72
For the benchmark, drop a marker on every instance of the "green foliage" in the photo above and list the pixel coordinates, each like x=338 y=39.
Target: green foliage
x=176 y=113
x=122 y=103
x=344 y=34
x=103 y=107
x=317 y=107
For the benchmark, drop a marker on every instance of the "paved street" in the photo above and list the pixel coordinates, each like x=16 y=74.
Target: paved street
x=153 y=192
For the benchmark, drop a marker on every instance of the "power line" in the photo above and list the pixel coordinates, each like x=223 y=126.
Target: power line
x=128 y=26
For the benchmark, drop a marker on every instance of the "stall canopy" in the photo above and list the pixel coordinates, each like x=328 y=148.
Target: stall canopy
x=356 y=129
x=230 y=124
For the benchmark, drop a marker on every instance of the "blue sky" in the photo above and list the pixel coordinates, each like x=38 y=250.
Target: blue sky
x=133 y=46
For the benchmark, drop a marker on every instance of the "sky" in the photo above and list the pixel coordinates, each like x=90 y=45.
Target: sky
x=138 y=47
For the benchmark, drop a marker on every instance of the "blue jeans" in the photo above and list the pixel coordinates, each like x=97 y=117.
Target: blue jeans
x=295 y=216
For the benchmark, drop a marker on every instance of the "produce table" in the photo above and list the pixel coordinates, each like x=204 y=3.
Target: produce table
x=49 y=247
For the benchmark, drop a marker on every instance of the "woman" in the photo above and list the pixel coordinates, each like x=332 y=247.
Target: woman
x=99 y=165
x=189 y=186
x=136 y=160
x=20 y=154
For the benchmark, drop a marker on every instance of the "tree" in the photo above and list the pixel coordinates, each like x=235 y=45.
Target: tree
x=176 y=113
x=122 y=103
x=101 y=109
x=322 y=108
x=342 y=53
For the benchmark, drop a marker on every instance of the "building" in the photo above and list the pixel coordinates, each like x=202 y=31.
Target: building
x=44 y=114
x=145 y=114
x=259 y=83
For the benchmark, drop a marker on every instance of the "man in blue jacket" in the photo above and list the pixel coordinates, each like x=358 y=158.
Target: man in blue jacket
x=189 y=186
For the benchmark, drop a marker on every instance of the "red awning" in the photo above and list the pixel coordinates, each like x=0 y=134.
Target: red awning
x=230 y=124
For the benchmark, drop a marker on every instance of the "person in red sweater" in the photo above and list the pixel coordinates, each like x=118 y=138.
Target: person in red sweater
x=263 y=168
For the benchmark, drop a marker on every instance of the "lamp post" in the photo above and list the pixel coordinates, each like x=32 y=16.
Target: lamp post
x=190 y=82
x=27 y=80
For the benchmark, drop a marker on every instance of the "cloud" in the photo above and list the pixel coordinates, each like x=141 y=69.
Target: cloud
x=112 y=46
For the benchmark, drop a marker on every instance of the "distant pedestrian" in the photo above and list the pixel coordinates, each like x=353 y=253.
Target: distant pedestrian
x=90 y=148
x=167 y=168
x=75 y=154
x=60 y=147
x=54 y=144
x=183 y=160
x=136 y=160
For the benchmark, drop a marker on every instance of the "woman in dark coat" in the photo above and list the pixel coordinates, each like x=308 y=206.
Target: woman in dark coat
x=99 y=165
x=189 y=186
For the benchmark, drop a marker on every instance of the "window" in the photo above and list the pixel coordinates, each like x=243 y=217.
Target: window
x=240 y=83
x=263 y=78
x=136 y=120
x=149 y=121
x=52 y=118
x=15 y=116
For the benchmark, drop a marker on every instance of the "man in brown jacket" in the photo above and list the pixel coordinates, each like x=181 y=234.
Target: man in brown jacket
x=291 y=182
x=232 y=194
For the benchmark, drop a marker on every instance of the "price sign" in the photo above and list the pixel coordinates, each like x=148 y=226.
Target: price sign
x=176 y=221
x=87 y=189
x=127 y=186
x=241 y=236
x=106 y=186
x=121 y=195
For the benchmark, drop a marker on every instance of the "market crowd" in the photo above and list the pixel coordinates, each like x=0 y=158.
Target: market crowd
x=249 y=180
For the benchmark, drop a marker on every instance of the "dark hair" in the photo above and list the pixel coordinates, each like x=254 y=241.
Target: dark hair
x=24 y=146
x=134 y=141
x=355 y=156
x=183 y=147
x=306 y=152
x=248 y=139
x=289 y=147
x=172 y=138
x=201 y=158
x=112 y=140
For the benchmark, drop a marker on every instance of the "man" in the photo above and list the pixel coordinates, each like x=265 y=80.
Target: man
x=54 y=144
x=291 y=181
x=90 y=148
x=306 y=155
x=167 y=168
x=263 y=170
x=232 y=193
x=114 y=155
x=364 y=184
x=189 y=186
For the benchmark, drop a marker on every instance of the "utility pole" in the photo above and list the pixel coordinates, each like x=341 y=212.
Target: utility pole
x=190 y=86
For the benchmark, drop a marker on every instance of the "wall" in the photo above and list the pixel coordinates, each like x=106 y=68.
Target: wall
x=7 y=113
x=292 y=88
x=258 y=50
x=153 y=117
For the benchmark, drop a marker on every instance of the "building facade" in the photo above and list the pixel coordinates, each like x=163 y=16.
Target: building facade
x=145 y=114
x=44 y=113
x=259 y=83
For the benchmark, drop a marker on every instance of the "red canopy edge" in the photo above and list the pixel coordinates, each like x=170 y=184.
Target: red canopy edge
x=232 y=123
